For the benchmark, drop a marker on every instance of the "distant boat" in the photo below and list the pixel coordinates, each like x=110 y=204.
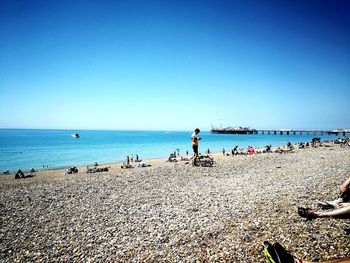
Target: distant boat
x=75 y=135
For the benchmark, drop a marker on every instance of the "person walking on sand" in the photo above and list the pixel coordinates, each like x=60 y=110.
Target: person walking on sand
x=195 y=143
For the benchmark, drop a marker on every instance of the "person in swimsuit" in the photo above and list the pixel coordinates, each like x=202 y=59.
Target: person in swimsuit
x=195 y=142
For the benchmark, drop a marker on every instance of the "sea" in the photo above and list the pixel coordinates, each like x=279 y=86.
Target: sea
x=50 y=149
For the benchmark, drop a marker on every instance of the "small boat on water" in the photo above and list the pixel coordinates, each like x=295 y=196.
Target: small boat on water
x=75 y=135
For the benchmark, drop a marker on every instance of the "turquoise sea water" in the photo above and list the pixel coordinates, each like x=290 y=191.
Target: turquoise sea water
x=25 y=149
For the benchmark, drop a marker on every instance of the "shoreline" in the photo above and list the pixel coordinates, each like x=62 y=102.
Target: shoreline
x=154 y=160
x=109 y=147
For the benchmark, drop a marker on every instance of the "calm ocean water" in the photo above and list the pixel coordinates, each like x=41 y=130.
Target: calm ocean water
x=25 y=149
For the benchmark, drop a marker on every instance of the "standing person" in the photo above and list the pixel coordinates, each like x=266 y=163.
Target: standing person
x=195 y=143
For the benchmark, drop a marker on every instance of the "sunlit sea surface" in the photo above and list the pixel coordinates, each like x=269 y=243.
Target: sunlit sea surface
x=25 y=149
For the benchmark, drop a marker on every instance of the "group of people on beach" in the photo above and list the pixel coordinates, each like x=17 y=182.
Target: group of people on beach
x=250 y=149
x=235 y=151
x=276 y=253
x=131 y=159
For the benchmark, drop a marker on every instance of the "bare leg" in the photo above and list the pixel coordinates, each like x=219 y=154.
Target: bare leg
x=195 y=155
x=341 y=213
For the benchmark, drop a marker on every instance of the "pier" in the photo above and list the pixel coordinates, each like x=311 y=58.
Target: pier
x=300 y=132
x=247 y=130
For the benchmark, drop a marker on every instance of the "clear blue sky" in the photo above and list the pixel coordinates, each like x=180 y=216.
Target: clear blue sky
x=174 y=65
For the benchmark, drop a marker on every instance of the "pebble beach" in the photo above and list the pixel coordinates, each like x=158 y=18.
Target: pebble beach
x=174 y=212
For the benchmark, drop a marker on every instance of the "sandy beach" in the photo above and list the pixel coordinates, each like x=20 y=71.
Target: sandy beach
x=173 y=212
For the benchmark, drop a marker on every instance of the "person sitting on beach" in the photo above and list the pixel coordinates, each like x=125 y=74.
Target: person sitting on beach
x=341 y=205
x=268 y=149
x=172 y=157
x=235 y=150
x=19 y=174
x=72 y=170
x=279 y=150
x=251 y=150
x=241 y=151
x=315 y=142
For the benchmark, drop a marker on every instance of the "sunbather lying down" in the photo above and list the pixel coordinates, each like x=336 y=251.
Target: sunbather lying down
x=276 y=253
x=20 y=174
x=97 y=169
x=126 y=166
x=341 y=205
x=340 y=213
x=142 y=164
